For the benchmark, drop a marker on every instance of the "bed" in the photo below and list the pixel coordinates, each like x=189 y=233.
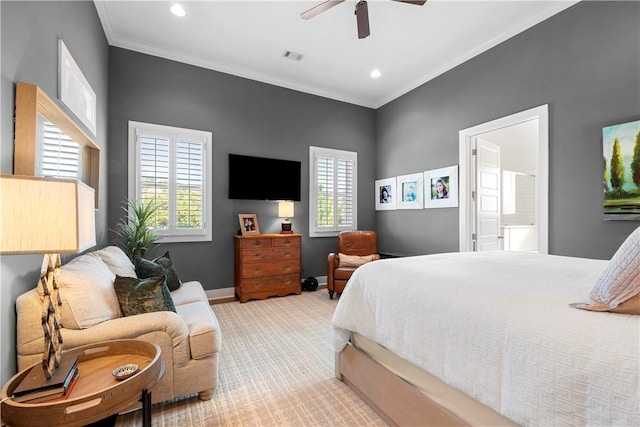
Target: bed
x=487 y=339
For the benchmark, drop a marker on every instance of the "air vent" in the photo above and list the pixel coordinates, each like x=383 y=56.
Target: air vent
x=293 y=55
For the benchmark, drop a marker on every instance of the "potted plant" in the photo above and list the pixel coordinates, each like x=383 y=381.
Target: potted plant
x=135 y=230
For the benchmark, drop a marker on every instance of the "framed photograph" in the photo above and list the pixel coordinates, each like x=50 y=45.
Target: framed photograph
x=74 y=89
x=248 y=224
x=441 y=188
x=385 y=194
x=621 y=178
x=410 y=191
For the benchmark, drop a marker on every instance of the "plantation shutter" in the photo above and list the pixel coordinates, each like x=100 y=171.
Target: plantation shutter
x=189 y=184
x=153 y=185
x=333 y=191
x=324 y=169
x=60 y=154
x=344 y=196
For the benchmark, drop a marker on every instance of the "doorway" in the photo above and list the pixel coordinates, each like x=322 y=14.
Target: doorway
x=487 y=213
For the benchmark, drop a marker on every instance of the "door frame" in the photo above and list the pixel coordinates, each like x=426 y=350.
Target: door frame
x=466 y=180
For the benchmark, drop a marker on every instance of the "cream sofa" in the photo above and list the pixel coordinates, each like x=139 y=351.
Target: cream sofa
x=189 y=339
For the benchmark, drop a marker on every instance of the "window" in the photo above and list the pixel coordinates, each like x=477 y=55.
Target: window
x=59 y=154
x=333 y=191
x=170 y=167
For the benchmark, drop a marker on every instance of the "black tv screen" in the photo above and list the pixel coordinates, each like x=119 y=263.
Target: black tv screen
x=260 y=178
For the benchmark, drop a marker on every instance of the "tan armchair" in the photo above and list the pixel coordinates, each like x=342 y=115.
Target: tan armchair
x=360 y=247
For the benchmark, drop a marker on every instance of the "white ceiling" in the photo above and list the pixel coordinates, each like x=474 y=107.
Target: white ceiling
x=409 y=44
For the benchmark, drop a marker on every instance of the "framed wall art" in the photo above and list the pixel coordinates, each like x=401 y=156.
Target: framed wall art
x=385 y=194
x=248 y=224
x=621 y=178
x=441 y=188
x=410 y=191
x=74 y=89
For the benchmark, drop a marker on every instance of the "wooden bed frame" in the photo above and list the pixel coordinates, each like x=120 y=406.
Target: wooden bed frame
x=394 y=399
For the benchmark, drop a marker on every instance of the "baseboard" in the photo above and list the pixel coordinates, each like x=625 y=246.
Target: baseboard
x=222 y=295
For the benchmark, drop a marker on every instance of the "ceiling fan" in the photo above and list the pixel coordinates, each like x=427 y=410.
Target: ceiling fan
x=362 y=13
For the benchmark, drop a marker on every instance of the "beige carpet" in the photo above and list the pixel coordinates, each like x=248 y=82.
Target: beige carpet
x=276 y=369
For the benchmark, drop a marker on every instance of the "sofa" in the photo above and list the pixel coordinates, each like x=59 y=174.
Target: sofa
x=190 y=338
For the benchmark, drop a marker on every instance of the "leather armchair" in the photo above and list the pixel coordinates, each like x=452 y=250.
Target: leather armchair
x=361 y=243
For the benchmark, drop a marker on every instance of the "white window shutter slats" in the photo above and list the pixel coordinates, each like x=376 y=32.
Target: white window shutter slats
x=171 y=169
x=60 y=154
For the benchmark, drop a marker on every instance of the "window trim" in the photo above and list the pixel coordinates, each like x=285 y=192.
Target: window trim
x=313 y=190
x=173 y=134
x=31 y=103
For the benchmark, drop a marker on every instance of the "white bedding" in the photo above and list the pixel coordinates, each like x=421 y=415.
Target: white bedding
x=497 y=325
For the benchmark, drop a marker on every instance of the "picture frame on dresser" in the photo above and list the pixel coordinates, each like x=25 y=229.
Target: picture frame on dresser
x=249 y=224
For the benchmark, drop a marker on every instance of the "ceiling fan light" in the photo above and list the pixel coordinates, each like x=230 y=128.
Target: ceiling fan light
x=375 y=74
x=178 y=10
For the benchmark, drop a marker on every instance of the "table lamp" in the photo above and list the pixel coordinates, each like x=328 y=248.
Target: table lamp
x=48 y=216
x=285 y=210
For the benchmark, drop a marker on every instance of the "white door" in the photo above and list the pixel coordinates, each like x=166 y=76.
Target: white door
x=487 y=196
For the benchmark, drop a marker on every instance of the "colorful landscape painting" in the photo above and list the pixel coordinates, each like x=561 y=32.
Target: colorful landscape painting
x=621 y=151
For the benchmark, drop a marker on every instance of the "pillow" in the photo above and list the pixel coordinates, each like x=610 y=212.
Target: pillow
x=618 y=288
x=137 y=296
x=117 y=261
x=354 y=260
x=161 y=266
x=87 y=293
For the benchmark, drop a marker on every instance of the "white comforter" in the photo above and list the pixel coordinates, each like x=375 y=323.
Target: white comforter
x=498 y=327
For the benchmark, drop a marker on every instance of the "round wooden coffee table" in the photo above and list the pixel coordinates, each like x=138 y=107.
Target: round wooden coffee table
x=97 y=394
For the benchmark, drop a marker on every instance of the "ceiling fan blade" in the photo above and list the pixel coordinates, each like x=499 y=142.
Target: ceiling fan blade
x=318 y=9
x=416 y=2
x=362 y=19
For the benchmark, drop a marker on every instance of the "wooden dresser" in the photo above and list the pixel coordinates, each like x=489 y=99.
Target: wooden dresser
x=267 y=265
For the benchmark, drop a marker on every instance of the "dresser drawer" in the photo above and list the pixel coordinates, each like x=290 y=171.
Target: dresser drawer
x=276 y=284
x=254 y=243
x=286 y=241
x=258 y=269
x=270 y=254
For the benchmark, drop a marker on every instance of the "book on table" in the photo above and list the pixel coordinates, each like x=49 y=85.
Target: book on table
x=35 y=384
x=54 y=397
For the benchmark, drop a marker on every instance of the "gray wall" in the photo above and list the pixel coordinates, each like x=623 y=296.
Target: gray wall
x=584 y=63
x=29 y=37
x=245 y=117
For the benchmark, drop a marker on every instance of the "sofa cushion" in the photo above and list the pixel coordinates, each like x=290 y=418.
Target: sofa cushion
x=137 y=296
x=204 y=330
x=117 y=261
x=87 y=293
x=159 y=266
x=189 y=292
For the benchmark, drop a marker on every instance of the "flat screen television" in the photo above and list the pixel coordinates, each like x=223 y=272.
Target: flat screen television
x=260 y=178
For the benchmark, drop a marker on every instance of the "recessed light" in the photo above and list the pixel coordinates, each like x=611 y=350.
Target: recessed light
x=375 y=74
x=178 y=10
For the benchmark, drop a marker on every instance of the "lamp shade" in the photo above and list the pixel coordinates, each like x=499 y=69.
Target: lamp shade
x=45 y=215
x=285 y=209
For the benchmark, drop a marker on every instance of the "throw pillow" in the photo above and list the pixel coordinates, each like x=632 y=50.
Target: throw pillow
x=354 y=260
x=117 y=261
x=87 y=293
x=161 y=266
x=618 y=287
x=137 y=296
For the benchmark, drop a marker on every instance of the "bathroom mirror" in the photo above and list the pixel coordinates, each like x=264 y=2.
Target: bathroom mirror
x=49 y=143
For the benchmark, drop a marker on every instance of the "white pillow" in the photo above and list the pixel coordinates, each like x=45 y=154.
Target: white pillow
x=117 y=261
x=87 y=292
x=620 y=281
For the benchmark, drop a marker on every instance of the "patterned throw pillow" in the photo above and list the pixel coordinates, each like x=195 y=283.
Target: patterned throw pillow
x=354 y=260
x=161 y=266
x=137 y=296
x=618 y=287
